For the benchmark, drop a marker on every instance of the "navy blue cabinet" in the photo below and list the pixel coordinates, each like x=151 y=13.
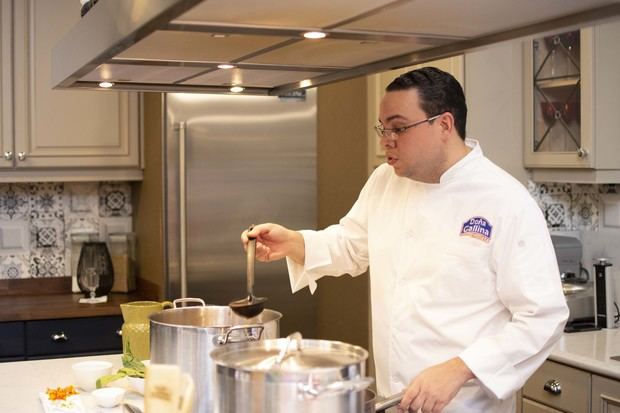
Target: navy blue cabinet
x=38 y=339
x=12 y=341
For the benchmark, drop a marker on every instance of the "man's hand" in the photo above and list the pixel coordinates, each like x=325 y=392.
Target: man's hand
x=274 y=242
x=435 y=387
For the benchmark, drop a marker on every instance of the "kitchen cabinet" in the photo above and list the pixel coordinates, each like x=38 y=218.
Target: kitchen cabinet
x=605 y=395
x=6 y=107
x=38 y=339
x=376 y=85
x=59 y=134
x=12 y=344
x=555 y=387
x=571 y=92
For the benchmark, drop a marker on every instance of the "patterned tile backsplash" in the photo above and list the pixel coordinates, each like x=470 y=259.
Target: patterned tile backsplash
x=37 y=221
x=571 y=207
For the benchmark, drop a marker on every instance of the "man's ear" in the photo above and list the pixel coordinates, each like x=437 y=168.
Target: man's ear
x=446 y=121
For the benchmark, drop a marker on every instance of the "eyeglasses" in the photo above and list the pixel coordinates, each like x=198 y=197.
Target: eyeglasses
x=394 y=133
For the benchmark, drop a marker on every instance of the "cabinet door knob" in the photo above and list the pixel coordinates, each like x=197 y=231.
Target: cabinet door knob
x=21 y=156
x=582 y=152
x=59 y=337
x=119 y=332
x=8 y=155
x=553 y=386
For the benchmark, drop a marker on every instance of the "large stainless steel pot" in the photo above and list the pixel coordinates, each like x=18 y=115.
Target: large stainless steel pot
x=186 y=335
x=291 y=375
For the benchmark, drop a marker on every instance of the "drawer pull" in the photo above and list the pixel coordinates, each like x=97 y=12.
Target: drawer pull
x=119 y=332
x=553 y=386
x=58 y=337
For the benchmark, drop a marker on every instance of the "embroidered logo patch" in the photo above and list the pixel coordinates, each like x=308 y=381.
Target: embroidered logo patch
x=477 y=227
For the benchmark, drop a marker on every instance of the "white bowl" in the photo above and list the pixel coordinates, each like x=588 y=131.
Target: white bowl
x=136 y=384
x=86 y=373
x=108 y=396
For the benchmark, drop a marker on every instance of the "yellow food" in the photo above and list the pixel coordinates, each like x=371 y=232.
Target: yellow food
x=61 y=393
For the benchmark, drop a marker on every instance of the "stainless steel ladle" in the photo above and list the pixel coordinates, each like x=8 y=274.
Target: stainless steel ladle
x=250 y=306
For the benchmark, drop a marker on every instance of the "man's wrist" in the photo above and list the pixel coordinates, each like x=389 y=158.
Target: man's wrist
x=463 y=369
x=298 y=250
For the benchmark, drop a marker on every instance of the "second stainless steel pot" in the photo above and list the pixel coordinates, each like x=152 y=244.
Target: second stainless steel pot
x=185 y=336
x=291 y=375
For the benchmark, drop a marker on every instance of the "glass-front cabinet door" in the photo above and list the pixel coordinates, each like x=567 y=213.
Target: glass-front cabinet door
x=558 y=100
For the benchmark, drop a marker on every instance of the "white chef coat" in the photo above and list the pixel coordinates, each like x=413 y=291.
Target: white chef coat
x=462 y=268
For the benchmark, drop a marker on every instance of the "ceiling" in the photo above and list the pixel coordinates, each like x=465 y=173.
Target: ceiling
x=177 y=45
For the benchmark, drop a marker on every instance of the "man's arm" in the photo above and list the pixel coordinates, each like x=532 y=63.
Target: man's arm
x=528 y=284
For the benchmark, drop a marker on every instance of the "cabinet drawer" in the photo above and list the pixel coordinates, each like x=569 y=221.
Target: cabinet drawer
x=12 y=339
x=73 y=336
x=574 y=383
x=530 y=406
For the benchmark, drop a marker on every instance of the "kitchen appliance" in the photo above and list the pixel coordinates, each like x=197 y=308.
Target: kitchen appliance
x=291 y=375
x=234 y=161
x=606 y=310
x=180 y=45
x=185 y=336
x=576 y=282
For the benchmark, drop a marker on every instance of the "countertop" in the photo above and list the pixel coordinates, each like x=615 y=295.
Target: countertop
x=22 y=381
x=51 y=306
x=591 y=350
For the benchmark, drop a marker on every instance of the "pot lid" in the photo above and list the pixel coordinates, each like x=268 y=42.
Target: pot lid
x=290 y=355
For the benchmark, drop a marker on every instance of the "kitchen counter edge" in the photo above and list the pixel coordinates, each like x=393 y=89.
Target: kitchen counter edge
x=56 y=306
x=591 y=351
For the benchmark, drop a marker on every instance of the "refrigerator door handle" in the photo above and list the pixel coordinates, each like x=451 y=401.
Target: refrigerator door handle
x=183 y=208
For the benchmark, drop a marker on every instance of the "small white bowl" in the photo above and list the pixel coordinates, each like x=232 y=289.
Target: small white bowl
x=86 y=373
x=136 y=384
x=108 y=396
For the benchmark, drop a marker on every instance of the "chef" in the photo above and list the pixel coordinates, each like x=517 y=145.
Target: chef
x=465 y=289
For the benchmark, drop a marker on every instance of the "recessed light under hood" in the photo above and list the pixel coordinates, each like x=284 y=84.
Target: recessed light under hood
x=177 y=45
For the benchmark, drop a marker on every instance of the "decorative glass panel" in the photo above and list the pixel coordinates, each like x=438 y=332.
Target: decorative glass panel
x=557 y=103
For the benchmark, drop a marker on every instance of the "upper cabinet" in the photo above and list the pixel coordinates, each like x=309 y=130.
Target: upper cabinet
x=571 y=94
x=58 y=134
x=6 y=108
x=376 y=88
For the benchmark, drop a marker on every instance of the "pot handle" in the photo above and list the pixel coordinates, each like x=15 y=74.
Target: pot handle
x=225 y=338
x=312 y=391
x=286 y=350
x=382 y=405
x=188 y=300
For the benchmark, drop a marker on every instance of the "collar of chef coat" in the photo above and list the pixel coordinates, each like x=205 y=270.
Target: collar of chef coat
x=454 y=171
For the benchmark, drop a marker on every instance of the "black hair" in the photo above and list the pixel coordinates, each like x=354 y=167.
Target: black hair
x=439 y=92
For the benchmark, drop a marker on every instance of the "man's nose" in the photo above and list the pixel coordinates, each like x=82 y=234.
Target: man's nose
x=387 y=143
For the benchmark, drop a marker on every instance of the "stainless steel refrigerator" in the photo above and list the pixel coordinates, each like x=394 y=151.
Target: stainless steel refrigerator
x=232 y=161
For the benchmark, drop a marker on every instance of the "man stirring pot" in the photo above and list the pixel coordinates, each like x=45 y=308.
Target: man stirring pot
x=466 y=298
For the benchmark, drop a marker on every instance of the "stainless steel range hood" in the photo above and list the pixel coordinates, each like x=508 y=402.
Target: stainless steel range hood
x=177 y=45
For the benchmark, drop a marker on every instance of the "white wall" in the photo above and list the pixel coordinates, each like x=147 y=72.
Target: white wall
x=494 y=90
